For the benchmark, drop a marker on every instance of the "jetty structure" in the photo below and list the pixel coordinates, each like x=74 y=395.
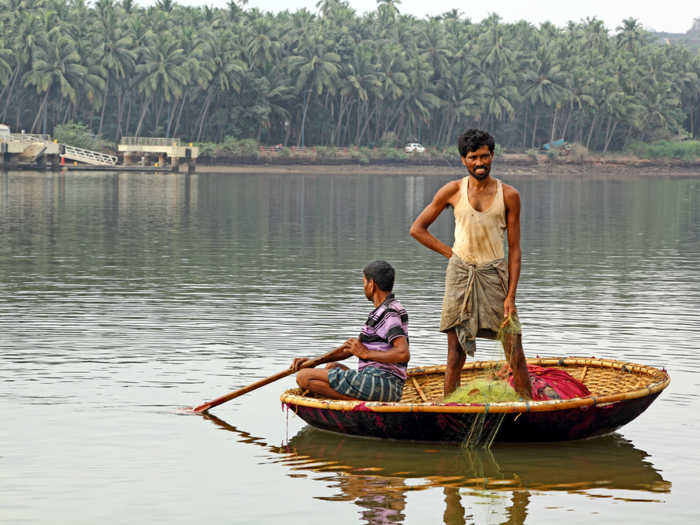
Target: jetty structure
x=34 y=151
x=144 y=150
x=16 y=148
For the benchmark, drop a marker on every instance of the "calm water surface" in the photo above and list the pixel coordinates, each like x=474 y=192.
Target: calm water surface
x=124 y=297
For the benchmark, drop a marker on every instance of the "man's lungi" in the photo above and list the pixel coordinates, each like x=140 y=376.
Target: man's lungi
x=473 y=302
x=369 y=384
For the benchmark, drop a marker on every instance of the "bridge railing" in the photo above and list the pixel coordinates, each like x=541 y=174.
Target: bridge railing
x=149 y=141
x=90 y=157
x=25 y=137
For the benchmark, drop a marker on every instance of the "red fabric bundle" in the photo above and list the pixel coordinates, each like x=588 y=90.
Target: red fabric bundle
x=563 y=384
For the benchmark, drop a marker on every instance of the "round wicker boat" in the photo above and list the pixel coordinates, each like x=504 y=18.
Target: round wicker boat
x=620 y=392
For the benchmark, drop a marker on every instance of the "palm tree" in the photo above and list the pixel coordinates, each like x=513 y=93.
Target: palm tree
x=499 y=93
x=55 y=64
x=6 y=60
x=316 y=66
x=371 y=73
x=630 y=35
x=115 y=53
x=389 y=4
x=459 y=98
x=263 y=46
x=225 y=69
x=542 y=85
x=163 y=71
x=656 y=106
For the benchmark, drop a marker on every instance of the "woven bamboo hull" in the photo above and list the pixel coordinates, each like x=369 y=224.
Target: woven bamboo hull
x=621 y=392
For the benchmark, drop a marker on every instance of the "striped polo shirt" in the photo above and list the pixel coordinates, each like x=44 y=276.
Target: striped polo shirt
x=384 y=324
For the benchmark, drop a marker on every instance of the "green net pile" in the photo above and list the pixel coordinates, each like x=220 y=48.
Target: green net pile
x=484 y=391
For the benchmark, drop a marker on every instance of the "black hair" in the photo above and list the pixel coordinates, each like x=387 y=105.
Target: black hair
x=473 y=139
x=382 y=273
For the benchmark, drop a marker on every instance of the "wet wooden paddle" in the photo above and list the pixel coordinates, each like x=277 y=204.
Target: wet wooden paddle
x=326 y=358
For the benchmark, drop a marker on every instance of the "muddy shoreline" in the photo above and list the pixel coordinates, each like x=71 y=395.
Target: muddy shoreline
x=587 y=169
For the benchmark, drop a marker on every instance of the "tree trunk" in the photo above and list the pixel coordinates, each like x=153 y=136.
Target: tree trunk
x=92 y=112
x=177 y=124
x=608 y=139
x=9 y=95
x=360 y=111
x=527 y=107
x=288 y=130
x=143 y=114
x=590 y=133
x=398 y=114
x=120 y=113
x=448 y=136
x=627 y=139
x=128 y=117
x=104 y=103
x=584 y=114
x=348 y=112
x=597 y=134
x=607 y=131
x=369 y=117
x=9 y=81
x=160 y=109
x=534 y=129
x=39 y=113
x=65 y=117
x=554 y=123
x=566 y=125
x=343 y=107
x=203 y=114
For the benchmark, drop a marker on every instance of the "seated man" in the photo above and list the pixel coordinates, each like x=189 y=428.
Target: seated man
x=382 y=349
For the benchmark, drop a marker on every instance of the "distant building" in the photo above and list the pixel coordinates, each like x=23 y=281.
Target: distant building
x=4 y=129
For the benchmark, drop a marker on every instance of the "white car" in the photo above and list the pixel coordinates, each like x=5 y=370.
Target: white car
x=410 y=148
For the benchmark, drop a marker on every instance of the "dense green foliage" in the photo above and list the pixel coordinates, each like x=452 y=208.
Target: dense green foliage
x=663 y=149
x=204 y=74
x=76 y=135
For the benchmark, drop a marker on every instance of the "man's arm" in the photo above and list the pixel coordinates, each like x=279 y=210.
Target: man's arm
x=448 y=194
x=512 y=202
x=341 y=357
x=399 y=352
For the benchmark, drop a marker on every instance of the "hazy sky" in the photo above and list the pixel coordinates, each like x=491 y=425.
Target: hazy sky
x=674 y=16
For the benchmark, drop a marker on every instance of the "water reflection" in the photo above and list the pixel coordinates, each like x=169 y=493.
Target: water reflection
x=377 y=478
x=122 y=294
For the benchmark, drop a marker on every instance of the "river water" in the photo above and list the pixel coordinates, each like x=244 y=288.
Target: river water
x=125 y=297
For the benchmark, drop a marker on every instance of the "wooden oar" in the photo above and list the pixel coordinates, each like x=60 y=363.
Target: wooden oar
x=326 y=358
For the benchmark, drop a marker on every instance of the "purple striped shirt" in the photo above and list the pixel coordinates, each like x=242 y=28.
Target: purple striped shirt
x=384 y=324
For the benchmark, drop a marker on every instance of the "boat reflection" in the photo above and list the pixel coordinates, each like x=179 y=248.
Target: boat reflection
x=378 y=475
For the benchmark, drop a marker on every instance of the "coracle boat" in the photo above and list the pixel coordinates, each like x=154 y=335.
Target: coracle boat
x=620 y=391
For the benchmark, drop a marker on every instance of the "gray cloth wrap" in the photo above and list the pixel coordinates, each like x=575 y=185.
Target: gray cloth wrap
x=473 y=303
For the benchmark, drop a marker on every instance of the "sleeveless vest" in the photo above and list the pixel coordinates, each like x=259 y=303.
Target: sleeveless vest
x=479 y=234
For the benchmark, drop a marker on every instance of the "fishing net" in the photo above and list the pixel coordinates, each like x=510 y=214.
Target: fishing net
x=494 y=387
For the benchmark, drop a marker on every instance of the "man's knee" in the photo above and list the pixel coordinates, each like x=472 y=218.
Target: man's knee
x=303 y=378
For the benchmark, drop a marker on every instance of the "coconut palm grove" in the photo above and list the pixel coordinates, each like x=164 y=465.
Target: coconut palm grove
x=206 y=74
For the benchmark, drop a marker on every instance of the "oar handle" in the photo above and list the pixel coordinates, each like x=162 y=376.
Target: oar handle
x=326 y=358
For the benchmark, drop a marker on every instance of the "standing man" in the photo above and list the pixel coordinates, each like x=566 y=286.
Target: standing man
x=480 y=285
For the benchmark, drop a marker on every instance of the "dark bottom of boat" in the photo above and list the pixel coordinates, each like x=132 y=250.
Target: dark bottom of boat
x=559 y=425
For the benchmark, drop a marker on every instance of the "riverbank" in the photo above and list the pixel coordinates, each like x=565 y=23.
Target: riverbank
x=513 y=165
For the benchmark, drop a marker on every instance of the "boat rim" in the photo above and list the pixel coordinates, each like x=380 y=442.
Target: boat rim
x=292 y=399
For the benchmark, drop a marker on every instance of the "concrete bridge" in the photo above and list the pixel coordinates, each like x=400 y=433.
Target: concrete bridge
x=147 y=149
x=40 y=150
x=29 y=148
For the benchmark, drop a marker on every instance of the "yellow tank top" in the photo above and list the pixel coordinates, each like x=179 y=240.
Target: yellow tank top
x=479 y=234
